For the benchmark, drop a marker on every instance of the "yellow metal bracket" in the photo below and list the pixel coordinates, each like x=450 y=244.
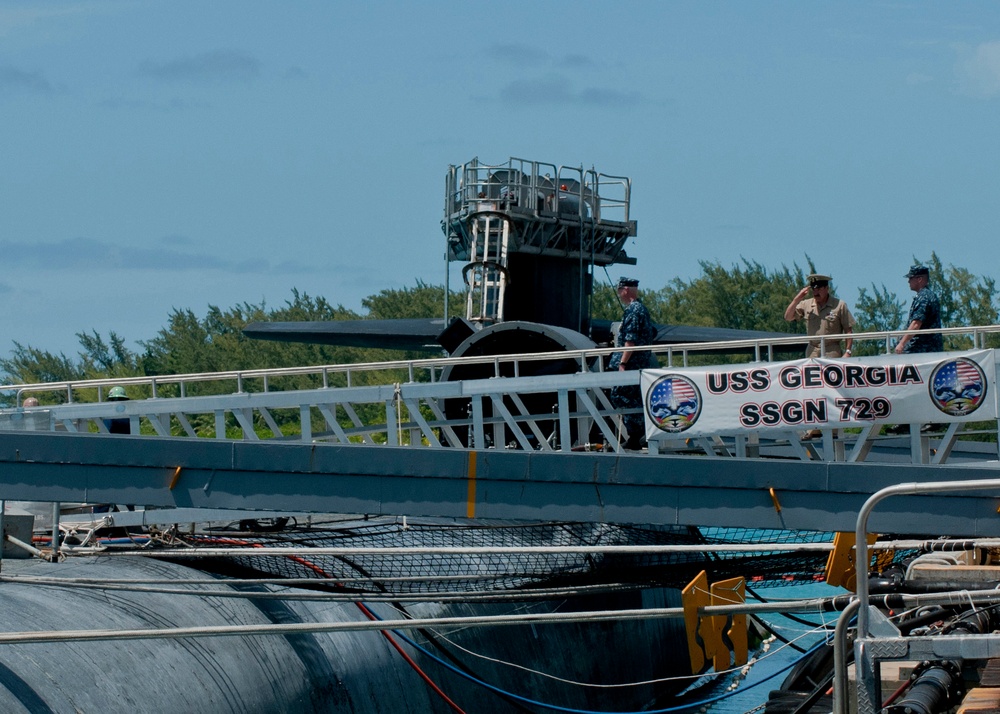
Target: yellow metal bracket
x=693 y=597
x=774 y=499
x=719 y=640
x=470 y=505
x=840 y=563
x=731 y=630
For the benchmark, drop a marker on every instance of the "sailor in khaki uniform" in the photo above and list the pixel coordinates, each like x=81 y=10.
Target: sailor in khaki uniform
x=824 y=315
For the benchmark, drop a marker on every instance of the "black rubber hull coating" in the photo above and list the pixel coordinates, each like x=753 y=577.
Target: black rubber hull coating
x=354 y=672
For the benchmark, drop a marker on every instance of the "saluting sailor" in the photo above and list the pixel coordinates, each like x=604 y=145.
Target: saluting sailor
x=824 y=315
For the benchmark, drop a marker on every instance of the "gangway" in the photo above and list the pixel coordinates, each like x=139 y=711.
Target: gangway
x=401 y=403
x=375 y=438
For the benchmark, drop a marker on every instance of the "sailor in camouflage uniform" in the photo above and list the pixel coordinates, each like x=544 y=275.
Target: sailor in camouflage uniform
x=925 y=314
x=636 y=331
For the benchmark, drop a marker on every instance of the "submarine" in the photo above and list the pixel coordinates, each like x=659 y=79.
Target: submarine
x=530 y=237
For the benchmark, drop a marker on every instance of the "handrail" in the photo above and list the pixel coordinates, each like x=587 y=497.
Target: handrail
x=465 y=182
x=860 y=604
x=503 y=405
x=763 y=349
x=861 y=560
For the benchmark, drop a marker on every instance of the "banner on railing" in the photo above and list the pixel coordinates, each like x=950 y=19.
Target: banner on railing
x=816 y=393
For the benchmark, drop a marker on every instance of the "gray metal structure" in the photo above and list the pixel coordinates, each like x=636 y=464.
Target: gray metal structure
x=522 y=464
x=529 y=236
x=302 y=673
x=409 y=395
x=135 y=633
x=495 y=483
x=539 y=228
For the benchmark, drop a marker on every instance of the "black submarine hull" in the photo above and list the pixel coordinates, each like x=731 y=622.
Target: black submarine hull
x=496 y=669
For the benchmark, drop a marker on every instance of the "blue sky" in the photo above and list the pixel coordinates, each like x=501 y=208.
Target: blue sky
x=161 y=155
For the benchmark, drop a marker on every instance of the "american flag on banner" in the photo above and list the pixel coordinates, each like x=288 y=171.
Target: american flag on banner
x=959 y=386
x=674 y=403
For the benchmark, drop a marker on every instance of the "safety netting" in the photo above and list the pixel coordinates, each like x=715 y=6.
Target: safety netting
x=423 y=572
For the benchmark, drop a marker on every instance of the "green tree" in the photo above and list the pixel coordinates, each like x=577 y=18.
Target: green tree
x=422 y=300
x=604 y=303
x=967 y=300
x=746 y=296
x=876 y=311
x=30 y=365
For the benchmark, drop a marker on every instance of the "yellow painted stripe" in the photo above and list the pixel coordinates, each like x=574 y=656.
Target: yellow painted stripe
x=470 y=507
x=176 y=477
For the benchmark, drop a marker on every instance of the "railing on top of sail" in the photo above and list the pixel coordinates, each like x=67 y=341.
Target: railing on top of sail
x=539 y=188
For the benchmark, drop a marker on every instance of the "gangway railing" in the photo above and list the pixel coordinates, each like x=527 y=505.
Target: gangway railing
x=405 y=403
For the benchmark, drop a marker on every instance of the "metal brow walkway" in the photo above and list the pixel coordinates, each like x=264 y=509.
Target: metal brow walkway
x=392 y=438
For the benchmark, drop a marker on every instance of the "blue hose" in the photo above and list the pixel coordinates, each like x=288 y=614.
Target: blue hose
x=555 y=707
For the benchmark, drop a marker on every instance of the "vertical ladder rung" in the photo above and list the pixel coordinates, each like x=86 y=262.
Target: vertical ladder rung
x=487 y=277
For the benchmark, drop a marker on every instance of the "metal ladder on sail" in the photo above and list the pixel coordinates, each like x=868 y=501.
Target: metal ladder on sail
x=486 y=273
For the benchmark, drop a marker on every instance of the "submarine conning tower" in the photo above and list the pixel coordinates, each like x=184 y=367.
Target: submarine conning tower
x=530 y=235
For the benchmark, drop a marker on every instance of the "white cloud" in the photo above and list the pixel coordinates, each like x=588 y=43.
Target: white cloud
x=979 y=71
x=16 y=19
x=557 y=89
x=519 y=55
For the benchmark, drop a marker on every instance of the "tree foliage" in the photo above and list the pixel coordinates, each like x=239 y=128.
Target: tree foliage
x=423 y=300
x=30 y=365
x=216 y=342
x=747 y=295
x=877 y=311
x=966 y=300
